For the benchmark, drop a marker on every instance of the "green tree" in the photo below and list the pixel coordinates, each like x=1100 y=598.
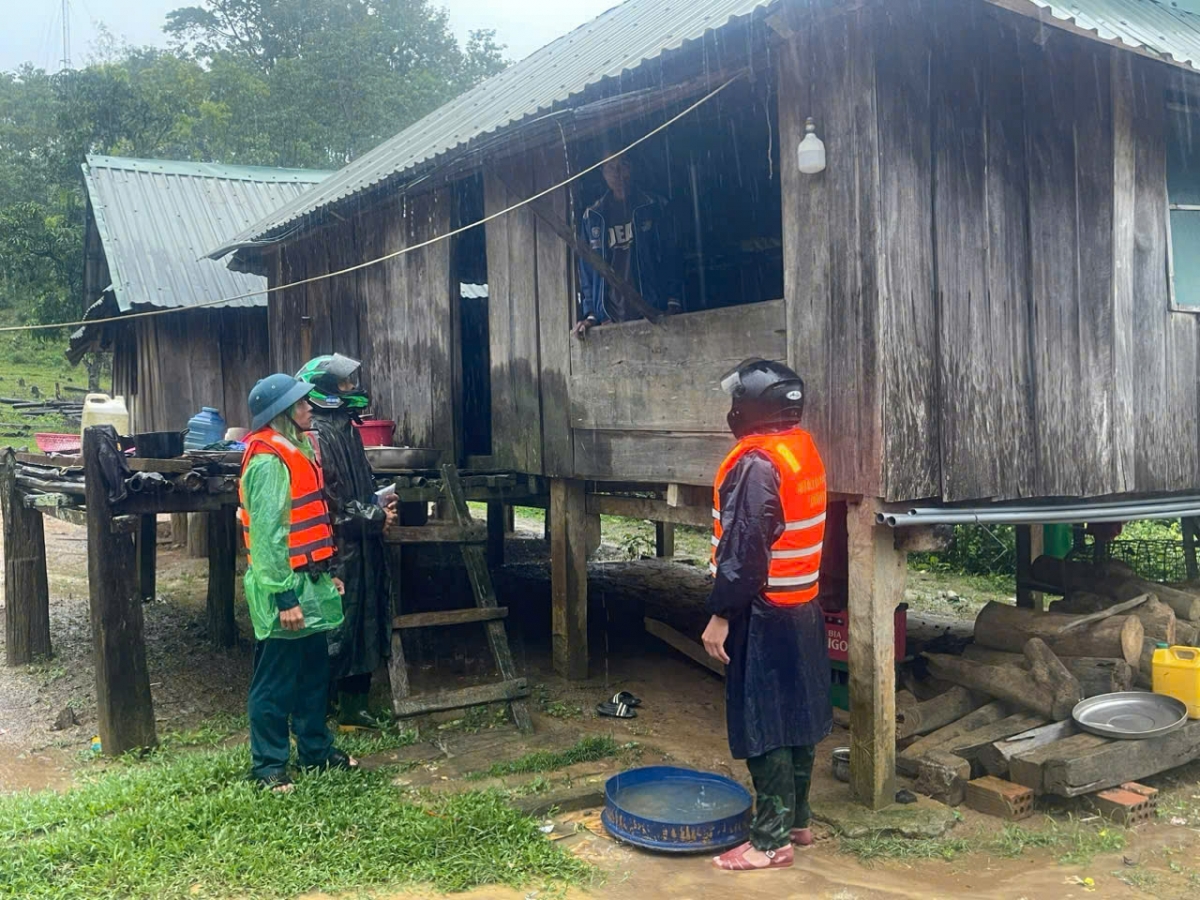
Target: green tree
x=307 y=83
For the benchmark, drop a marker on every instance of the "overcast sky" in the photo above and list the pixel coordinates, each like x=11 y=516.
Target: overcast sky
x=32 y=29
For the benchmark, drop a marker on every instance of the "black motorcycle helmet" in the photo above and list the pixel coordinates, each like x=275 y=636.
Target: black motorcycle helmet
x=767 y=397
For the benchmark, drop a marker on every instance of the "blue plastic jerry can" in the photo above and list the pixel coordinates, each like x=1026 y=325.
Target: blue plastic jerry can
x=204 y=428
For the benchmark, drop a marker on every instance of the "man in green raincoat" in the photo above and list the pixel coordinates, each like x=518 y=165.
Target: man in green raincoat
x=293 y=599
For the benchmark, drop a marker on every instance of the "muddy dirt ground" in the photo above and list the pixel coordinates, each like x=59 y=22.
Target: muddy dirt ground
x=682 y=721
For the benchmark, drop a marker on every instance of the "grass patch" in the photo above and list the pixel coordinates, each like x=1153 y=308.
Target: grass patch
x=1079 y=843
x=590 y=749
x=1014 y=840
x=1074 y=843
x=184 y=825
x=877 y=847
x=212 y=732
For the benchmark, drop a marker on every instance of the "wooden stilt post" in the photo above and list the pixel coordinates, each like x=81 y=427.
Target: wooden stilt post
x=123 y=705
x=179 y=529
x=664 y=540
x=496 y=520
x=197 y=542
x=1026 y=597
x=510 y=519
x=26 y=591
x=147 y=557
x=877 y=574
x=568 y=576
x=222 y=576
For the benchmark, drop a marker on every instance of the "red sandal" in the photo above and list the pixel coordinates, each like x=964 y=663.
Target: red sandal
x=735 y=860
x=802 y=837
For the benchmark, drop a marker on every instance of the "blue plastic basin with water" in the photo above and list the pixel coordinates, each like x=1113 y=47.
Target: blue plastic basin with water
x=674 y=810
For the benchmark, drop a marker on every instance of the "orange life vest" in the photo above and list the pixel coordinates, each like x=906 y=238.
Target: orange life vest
x=311 y=537
x=796 y=556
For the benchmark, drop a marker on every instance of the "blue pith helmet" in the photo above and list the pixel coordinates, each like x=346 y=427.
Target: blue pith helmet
x=273 y=395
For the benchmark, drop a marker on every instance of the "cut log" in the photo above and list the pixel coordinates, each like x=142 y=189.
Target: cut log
x=1158 y=619
x=1026 y=768
x=970 y=745
x=908 y=762
x=996 y=757
x=944 y=776
x=1114 y=580
x=1004 y=627
x=922 y=718
x=1070 y=772
x=1095 y=675
x=1125 y=606
x=1187 y=634
x=1047 y=688
x=1144 y=677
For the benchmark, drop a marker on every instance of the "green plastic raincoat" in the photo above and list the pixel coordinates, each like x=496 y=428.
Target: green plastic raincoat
x=267 y=495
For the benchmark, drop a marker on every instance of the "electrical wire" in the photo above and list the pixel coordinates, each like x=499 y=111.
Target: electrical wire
x=393 y=255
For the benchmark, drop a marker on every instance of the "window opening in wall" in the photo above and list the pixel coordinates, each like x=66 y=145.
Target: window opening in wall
x=693 y=217
x=1183 y=196
x=471 y=280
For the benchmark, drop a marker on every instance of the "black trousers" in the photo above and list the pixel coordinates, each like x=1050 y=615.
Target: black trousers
x=781 y=782
x=291 y=681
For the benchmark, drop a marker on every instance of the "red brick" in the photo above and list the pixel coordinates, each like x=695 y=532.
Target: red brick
x=997 y=797
x=1126 y=807
x=1149 y=793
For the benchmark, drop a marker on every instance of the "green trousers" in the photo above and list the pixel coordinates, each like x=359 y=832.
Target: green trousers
x=781 y=782
x=291 y=681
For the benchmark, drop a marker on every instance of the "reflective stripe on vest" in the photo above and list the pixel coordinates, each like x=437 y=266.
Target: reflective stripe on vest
x=310 y=533
x=795 y=567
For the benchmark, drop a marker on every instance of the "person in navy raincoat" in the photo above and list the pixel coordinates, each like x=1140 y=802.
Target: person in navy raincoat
x=766 y=625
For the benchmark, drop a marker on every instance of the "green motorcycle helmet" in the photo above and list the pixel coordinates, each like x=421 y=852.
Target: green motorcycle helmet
x=326 y=374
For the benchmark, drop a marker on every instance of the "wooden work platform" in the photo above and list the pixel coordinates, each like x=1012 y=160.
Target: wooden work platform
x=121 y=519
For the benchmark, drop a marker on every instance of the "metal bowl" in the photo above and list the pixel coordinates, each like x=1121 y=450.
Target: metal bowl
x=841 y=763
x=395 y=459
x=1130 y=715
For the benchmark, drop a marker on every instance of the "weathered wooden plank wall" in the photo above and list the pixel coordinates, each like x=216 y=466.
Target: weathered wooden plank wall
x=556 y=315
x=513 y=317
x=1162 y=351
x=168 y=367
x=643 y=377
x=1008 y=318
x=832 y=244
x=397 y=316
x=909 y=330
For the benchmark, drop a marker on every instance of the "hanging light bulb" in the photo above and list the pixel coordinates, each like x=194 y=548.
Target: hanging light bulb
x=812 y=150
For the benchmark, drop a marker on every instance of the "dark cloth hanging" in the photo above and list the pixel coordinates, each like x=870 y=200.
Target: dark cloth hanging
x=777 y=680
x=364 y=641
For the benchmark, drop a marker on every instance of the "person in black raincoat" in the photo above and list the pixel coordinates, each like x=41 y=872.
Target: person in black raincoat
x=766 y=625
x=363 y=642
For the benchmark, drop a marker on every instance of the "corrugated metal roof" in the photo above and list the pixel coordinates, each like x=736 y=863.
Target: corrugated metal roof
x=640 y=30
x=157 y=218
x=1166 y=29
x=615 y=42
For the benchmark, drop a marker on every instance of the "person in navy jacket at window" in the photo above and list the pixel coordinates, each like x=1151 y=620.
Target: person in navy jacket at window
x=632 y=230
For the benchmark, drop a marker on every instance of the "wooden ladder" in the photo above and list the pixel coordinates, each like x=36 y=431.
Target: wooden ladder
x=471 y=537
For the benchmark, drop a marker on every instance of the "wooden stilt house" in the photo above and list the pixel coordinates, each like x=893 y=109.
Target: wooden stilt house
x=991 y=290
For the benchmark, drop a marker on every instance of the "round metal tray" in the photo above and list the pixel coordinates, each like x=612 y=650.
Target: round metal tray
x=1130 y=715
x=654 y=826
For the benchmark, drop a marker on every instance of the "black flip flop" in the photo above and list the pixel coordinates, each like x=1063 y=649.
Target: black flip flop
x=616 y=710
x=626 y=698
